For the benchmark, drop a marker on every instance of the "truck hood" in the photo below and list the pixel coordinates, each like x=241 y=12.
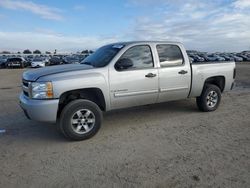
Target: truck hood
x=33 y=75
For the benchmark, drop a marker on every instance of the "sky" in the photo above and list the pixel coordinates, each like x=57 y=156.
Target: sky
x=73 y=25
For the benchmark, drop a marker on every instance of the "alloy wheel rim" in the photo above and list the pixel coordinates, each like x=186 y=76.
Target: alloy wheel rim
x=212 y=99
x=83 y=121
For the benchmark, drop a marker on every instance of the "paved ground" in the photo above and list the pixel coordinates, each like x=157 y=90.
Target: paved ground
x=163 y=145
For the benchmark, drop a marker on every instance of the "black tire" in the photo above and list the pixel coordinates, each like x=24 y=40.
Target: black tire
x=69 y=111
x=207 y=103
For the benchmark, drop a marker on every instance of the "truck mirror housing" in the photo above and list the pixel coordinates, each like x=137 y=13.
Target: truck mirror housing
x=123 y=63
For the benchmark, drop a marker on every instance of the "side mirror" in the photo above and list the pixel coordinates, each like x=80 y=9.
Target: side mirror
x=123 y=63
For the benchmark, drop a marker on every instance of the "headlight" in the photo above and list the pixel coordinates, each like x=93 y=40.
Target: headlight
x=41 y=90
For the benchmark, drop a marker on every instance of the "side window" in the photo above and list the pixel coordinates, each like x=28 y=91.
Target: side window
x=137 y=57
x=169 y=55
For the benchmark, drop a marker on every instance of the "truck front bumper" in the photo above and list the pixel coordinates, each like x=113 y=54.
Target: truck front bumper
x=39 y=110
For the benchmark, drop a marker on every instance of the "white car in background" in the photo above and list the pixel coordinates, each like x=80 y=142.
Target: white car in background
x=39 y=62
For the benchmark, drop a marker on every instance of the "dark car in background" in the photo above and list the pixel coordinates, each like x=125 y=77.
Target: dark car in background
x=227 y=57
x=236 y=58
x=219 y=58
x=196 y=58
x=3 y=60
x=56 y=60
x=210 y=57
x=71 y=60
x=244 y=57
x=29 y=59
x=16 y=62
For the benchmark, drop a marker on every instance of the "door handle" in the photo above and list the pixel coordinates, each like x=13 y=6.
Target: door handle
x=150 y=75
x=183 y=72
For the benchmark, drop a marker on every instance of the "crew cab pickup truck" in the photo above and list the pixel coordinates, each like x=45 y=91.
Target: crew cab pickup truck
x=120 y=75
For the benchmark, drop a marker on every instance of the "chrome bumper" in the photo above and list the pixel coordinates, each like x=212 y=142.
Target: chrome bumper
x=39 y=110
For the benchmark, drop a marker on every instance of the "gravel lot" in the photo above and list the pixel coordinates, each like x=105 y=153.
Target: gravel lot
x=163 y=145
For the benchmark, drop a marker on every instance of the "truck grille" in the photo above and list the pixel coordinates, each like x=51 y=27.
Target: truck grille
x=26 y=88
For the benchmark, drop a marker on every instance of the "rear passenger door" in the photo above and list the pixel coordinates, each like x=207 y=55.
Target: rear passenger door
x=174 y=73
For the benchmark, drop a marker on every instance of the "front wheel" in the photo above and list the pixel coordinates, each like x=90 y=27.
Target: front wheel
x=80 y=119
x=210 y=98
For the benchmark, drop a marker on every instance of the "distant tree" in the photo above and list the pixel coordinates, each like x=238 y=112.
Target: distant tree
x=5 y=52
x=91 y=52
x=37 y=52
x=55 y=51
x=47 y=52
x=85 y=52
x=27 y=51
x=18 y=52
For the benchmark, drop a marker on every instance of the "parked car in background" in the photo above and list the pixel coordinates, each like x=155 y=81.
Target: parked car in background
x=71 y=60
x=219 y=58
x=226 y=57
x=16 y=62
x=210 y=57
x=29 y=59
x=39 y=62
x=244 y=57
x=3 y=60
x=55 y=60
x=237 y=58
x=196 y=58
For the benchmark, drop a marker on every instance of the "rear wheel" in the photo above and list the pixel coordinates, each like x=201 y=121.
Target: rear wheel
x=210 y=98
x=80 y=119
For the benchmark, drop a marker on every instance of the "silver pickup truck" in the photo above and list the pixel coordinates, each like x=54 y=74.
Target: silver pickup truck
x=120 y=75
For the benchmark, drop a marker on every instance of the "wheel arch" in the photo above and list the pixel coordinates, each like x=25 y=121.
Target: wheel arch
x=93 y=94
x=219 y=81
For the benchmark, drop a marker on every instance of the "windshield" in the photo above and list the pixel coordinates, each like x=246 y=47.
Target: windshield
x=103 y=55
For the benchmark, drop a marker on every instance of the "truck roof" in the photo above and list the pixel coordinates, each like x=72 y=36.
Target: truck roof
x=148 y=42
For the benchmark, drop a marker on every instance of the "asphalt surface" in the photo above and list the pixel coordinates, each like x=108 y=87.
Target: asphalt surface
x=164 y=145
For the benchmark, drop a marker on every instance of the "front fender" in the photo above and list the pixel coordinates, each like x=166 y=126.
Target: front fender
x=80 y=80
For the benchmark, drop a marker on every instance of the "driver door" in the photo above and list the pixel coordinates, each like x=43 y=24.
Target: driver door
x=135 y=83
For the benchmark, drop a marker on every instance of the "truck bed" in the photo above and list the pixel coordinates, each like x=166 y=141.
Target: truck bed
x=201 y=71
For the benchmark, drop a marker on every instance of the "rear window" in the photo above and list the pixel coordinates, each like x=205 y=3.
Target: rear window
x=169 y=55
